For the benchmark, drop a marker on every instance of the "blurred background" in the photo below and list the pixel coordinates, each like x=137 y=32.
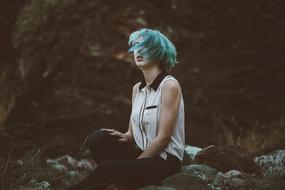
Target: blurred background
x=65 y=71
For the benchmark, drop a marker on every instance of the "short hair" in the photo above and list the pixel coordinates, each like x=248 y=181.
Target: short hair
x=154 y=46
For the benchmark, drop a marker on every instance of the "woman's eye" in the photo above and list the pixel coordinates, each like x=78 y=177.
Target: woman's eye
x=135 y=43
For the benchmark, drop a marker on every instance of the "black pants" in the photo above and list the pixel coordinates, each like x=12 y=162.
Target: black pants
x=117 y=164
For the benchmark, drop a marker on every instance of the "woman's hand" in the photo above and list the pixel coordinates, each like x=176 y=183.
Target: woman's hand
x=123 y=137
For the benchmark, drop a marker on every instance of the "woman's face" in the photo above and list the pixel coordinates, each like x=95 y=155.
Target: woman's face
x=139 y=59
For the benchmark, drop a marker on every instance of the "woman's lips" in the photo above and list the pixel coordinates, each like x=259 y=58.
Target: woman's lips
x=139 y=58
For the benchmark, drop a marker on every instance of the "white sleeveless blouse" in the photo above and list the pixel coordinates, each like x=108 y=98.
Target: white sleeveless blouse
x=145 y=118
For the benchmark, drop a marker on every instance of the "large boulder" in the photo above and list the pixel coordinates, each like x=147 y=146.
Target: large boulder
x=228 y=158
x=239 y=181
x=203 y=171
x=185 y=181
x=273 y=163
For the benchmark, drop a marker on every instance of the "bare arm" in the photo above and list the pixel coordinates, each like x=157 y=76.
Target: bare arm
x=171 y=94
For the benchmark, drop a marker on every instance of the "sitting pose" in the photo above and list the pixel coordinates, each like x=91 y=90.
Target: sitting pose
x=152 y=148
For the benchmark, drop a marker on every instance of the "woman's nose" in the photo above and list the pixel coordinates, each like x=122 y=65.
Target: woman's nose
x=137 y=51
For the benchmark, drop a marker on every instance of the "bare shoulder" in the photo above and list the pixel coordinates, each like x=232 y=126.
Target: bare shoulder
x=172 y=86
x=171 y=94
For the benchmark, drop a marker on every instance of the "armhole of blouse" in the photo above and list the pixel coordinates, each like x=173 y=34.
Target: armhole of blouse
x=169 y=77
x=134 y=94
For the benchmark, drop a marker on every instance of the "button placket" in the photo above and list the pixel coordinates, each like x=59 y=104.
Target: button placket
x=144 y=136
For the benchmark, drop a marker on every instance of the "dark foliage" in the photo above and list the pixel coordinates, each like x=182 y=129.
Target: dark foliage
x=75 y=74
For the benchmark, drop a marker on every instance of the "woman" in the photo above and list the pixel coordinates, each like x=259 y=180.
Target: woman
x=152 y=148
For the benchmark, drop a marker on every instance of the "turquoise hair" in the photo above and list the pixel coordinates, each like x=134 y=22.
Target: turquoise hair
x=153 y=46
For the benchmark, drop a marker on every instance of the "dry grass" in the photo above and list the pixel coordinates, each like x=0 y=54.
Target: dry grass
x=256 y=140
x=9 y=87
x=31 y=172
x=267 y=141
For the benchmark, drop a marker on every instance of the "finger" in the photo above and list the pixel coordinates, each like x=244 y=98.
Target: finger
x=108 y=130
x=114 y=133
x=105 y=129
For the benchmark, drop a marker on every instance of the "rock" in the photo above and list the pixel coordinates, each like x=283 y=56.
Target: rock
x=66 y=163
x=185 y=181
x=36 y=185
x=59 y=167
x=153 y=187
x=230 y=180
x=235 y=180
x=86 y=164
x=273 y=163
x=233 y=173
x=62 y=162
x=73 y=170
x=238 y=182
x=219 y=179
x=228 y=158
x=203 y=171
x=235 y=183
x=267 y=183
x=189 y=154
x=74 y=174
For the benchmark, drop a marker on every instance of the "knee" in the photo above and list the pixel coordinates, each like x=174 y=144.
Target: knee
x=102 y=145
x=107 y=167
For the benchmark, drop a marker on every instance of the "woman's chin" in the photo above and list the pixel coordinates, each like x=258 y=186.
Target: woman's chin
x=141 y=63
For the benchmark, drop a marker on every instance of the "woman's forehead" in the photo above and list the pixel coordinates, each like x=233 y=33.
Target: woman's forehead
x=138 y=40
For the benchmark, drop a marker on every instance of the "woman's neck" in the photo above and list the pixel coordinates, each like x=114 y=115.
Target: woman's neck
x=150 y=74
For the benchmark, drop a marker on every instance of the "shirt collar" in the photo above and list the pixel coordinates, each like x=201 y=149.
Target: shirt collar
x=154 y=85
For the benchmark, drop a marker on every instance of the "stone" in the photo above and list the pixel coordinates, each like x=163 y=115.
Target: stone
x=219 y=179
x=185 y=181
x=65 y=163
x=65 y=160
x=203 y=171
x=232 y=173
x=235 y=181
x=228 y=158
x=86 y=164
x=273 y=163
x=189 y=154
x=59 y=167
x=154 y=187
